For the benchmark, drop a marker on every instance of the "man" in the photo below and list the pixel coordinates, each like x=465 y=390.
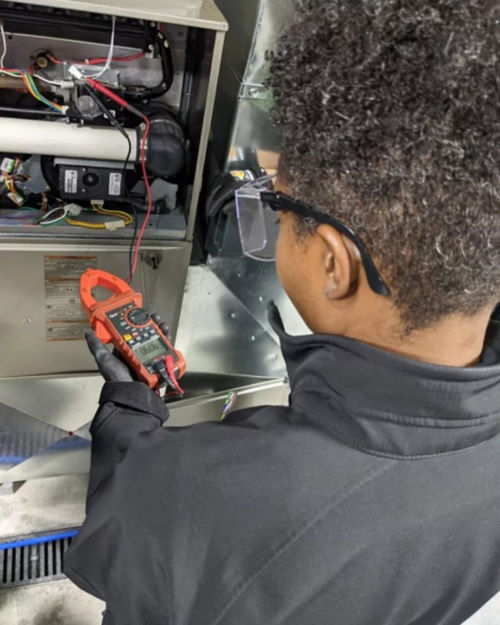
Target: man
x=374 y=497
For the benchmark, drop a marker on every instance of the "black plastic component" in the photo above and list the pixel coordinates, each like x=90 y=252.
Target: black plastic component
x=80 y=182
x=220 y=209
x=167 y=147
x=223 y=238
x=90 y=179
x=138 y=317
x=165 y=329
x=162 y=49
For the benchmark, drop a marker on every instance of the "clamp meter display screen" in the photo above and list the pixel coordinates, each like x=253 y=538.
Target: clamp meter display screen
x=150 y=350
x=144 y=339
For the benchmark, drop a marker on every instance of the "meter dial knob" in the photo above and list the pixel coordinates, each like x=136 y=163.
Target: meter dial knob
x=138 y=317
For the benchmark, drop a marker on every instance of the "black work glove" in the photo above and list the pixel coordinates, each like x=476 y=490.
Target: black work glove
x=112 y=368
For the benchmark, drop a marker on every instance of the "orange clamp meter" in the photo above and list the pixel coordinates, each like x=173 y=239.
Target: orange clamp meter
x=121 y=320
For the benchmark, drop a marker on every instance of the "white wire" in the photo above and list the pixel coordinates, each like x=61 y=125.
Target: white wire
x=4 y=71
x=58 y=83
x=47 y=222
x=4 y=44
x=110 y=52
x=4 y=54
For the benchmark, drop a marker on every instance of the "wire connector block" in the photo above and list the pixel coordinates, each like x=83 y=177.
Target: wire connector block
x=75 y=72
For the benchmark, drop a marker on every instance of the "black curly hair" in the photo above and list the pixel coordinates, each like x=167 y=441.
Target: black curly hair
x=389 y=112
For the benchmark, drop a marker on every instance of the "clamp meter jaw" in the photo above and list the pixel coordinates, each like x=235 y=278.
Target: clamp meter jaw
x=121 y=320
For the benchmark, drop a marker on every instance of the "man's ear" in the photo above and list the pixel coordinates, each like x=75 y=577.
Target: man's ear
x=340 y=262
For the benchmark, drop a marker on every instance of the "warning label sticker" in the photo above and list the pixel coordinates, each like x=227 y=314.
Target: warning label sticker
x=67 y=331
x=71 y=181
x=115 y=184
x=65 y=319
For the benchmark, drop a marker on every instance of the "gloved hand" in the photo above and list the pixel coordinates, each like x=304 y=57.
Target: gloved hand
x=112 y=368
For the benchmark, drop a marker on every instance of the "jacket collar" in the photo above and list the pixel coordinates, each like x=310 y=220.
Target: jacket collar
x=386 y=404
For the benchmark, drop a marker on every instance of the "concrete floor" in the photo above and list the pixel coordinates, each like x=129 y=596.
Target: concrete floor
x=52 y=603
x=58 y=503
x=38 y=506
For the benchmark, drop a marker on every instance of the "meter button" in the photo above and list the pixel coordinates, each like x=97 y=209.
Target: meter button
x=138 y=317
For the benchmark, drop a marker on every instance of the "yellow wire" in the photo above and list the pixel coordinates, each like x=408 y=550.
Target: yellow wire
x=84 y=224
x=119 y=214
x=11 y=188
x=32 y=89
x=106 y=211
x=98 y=208
x=88 y=224
x=27 y=83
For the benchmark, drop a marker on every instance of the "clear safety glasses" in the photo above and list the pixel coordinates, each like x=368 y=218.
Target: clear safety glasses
x=257 y=223
x=256 y=207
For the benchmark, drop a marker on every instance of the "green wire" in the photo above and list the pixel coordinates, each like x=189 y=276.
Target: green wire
x=52 y=223
x=39 y=95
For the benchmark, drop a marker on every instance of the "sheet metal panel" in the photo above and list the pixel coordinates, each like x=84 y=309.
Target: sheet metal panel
x=24 y=310
x=198 y=13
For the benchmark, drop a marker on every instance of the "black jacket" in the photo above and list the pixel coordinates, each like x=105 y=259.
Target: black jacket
x=373 y=499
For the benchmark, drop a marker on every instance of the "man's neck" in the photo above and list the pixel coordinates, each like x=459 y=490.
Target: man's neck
x=457 y=341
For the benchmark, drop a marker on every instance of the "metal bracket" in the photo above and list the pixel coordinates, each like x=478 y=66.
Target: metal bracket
x=253 y=91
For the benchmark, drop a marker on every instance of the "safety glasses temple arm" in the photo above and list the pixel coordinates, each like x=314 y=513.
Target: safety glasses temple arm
x=279 y=202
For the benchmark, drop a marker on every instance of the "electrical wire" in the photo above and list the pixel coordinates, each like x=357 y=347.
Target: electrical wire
x=148 y=193
x=123 y=103
x=25 y=76
x=33 y=89
x=19 y=73
x=48 y=220
x=57 y=83
x=121 y=216
x=116 y=59
x=110 y=53
x=113 y=212
x=133 y=237
x=4 y=45
x=104 y=109
x=52 y=58
x=127 y=196
x=107 y=113
x=62 y=214
x=85 y=224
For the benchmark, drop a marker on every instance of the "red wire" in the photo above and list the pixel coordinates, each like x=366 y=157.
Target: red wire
x=150 y=198
x=170 y=367
x=52 y=58
x=115 y=59
x=119 y=100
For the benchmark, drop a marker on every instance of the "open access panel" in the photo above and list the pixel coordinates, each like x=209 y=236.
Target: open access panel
x=105 y=111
